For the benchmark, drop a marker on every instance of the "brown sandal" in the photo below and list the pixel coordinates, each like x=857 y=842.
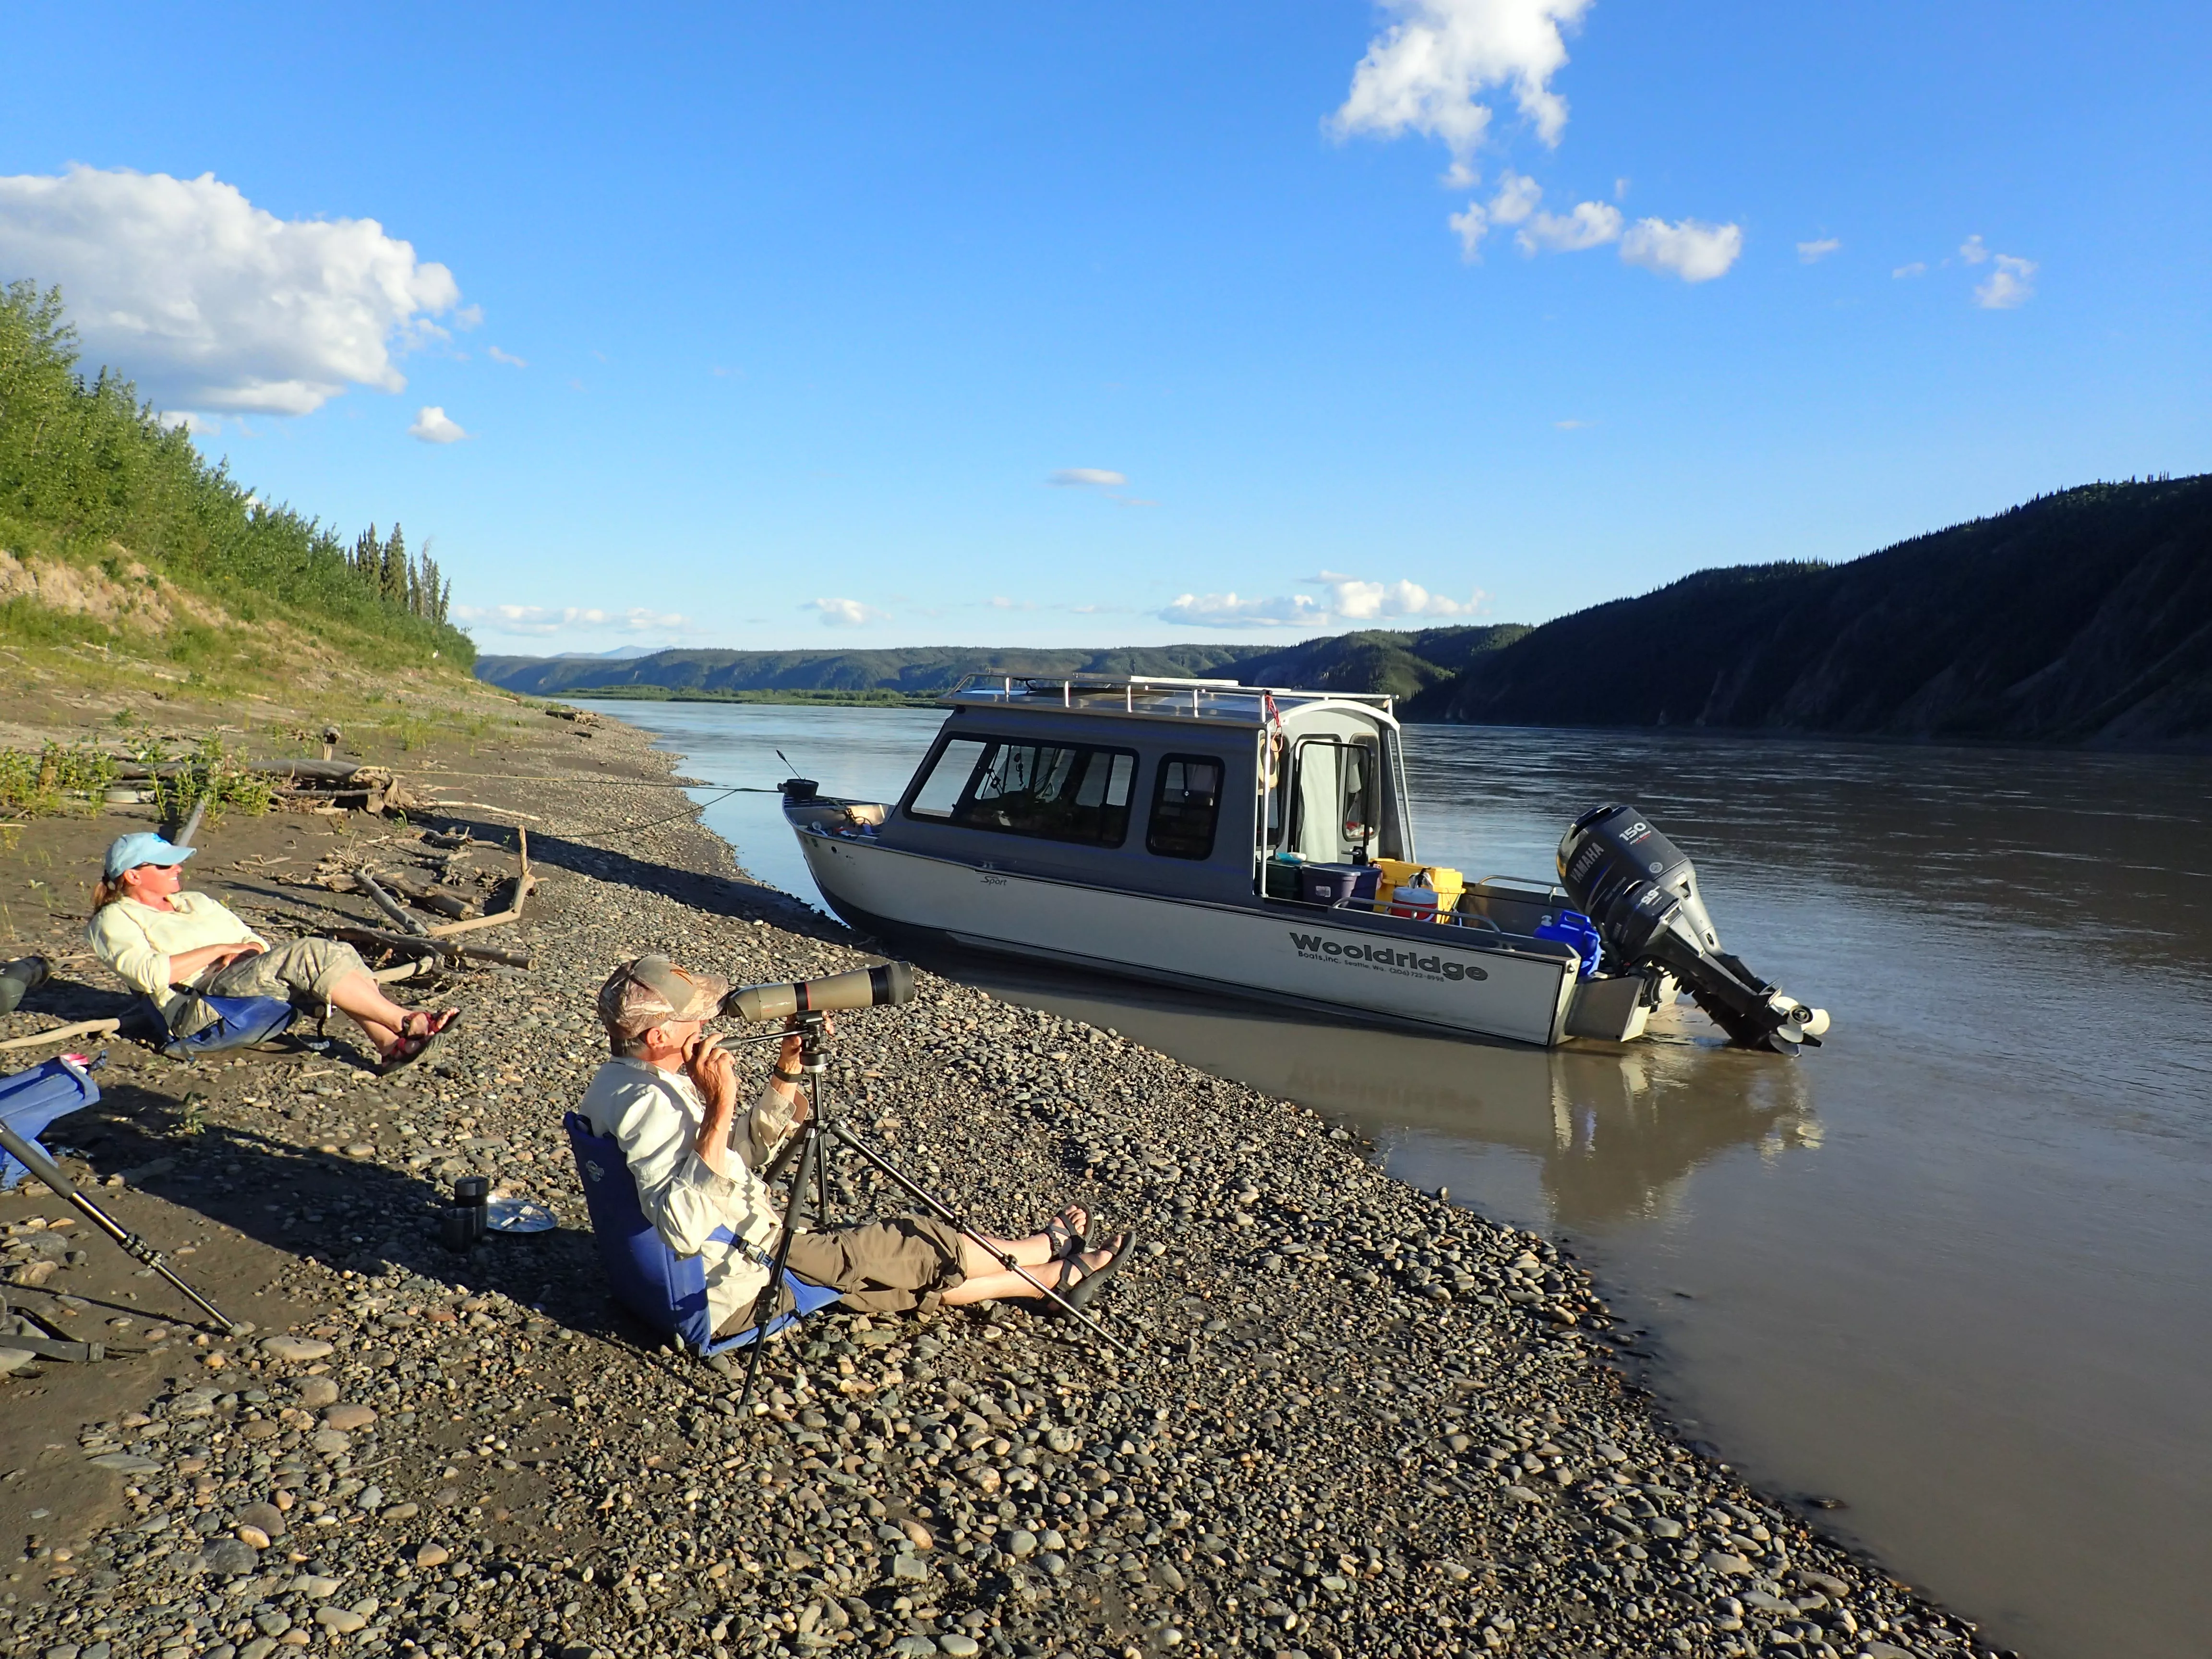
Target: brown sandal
x=412 y=1045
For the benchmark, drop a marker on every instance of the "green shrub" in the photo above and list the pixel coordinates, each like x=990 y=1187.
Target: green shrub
x=86 y=470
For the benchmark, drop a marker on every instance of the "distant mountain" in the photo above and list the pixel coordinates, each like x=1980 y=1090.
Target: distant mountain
x=2081 y=618
x=1382 y=660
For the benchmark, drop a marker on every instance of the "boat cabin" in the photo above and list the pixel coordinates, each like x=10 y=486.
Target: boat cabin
x=1182 y=787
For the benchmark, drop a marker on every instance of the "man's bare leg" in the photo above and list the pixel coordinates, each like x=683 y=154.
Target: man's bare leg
x=1003 y=1286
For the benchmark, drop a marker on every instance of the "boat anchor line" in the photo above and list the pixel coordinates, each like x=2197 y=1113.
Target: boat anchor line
x=1411 y=964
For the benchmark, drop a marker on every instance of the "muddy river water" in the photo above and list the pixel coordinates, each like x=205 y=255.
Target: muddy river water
x=1954 y=1270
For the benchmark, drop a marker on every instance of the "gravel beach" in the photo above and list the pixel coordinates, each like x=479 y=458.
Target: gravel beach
x=1357 y=1420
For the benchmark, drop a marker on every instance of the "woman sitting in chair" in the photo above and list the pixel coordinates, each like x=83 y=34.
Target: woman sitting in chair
x=181 y=948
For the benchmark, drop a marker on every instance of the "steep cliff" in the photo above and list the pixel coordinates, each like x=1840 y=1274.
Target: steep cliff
x=2081 y=617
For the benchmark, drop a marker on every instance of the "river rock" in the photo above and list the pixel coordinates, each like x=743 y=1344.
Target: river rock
x=267 y=1517
x=349 y=1419
x=313 y=1393
x=296 y=1350
x=228 y=1556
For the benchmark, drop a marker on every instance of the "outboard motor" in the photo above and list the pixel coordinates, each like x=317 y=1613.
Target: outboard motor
x=1643 y=893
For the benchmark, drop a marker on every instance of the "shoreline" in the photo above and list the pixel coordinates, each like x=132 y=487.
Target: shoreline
x=1363 y=1422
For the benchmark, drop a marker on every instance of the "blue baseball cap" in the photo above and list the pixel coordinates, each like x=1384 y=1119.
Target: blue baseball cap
x=128 y=852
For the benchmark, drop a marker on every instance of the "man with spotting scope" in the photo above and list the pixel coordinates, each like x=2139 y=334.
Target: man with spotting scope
x=668 y=1098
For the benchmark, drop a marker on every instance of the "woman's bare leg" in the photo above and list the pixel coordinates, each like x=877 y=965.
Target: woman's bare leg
x=359 y=998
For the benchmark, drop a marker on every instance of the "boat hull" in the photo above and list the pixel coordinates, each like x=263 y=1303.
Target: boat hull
x=1439 y=984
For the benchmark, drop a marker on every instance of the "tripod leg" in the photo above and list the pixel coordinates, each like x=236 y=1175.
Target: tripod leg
x=809 y=1160
x=32 y=1158
x=944 y=1212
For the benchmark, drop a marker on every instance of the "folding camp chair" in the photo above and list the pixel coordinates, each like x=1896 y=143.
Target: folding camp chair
x=241 y=1022
x=30 y=1100
x=666 y=1291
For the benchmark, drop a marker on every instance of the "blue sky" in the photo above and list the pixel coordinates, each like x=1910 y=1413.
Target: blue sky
x=775 y=326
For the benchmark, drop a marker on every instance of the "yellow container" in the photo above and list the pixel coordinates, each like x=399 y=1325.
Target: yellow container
x=1395 y=873
x=1448 y=884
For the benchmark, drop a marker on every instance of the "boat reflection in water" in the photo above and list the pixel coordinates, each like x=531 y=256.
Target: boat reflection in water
x=1607 y=1132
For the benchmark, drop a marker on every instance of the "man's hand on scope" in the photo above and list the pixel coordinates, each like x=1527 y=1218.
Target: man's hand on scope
x=715 y=1072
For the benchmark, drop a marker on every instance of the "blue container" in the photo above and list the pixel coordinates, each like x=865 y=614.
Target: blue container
x=1338 y=884
x=1573 y=927
x=30 y=1100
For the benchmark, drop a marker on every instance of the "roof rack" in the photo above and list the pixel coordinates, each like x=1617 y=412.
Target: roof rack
x=1158 y=696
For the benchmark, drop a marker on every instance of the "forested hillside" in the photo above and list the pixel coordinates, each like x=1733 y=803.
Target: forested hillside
x=106 y=514
x=2084 y=617
x=1401 y=664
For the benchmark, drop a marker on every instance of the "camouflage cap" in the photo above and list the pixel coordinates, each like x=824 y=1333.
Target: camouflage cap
x=640 y=995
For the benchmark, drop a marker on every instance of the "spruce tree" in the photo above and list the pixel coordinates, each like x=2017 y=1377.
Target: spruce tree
x=394 y=573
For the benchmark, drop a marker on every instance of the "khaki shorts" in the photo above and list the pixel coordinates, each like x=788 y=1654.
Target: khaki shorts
x=882 y=1267
x=304 y=972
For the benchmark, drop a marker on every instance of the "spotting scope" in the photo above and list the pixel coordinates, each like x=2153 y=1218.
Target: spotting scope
x=862 y=988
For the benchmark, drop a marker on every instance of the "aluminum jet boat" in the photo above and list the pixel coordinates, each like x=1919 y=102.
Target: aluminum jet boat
x=1260 y=841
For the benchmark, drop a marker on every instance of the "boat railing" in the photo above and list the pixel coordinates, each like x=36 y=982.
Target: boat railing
x=1149 y=693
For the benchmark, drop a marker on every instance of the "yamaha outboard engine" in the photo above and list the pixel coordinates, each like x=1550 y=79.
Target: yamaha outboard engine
x=1643 y=893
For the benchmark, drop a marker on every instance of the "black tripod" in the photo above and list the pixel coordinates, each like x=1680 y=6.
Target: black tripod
x=27 y=1153
x=806 y=1151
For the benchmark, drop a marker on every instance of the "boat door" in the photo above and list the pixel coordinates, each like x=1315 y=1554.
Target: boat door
x=1329 y=795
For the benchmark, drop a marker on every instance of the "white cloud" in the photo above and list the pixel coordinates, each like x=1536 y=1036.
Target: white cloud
x=1086 y=477
x=432 y=426
x=1972 y=252
x=211 y=303
x=1592 y=224
x=1348 y=599
x=538 y=619
x=845 y=613
x=508 y=358
x=1917 y=268
x=1695 y=251
x=2012 y=283
x=1471 y=226
x=1572 y=426
x=1811 y=254
x=1232 y=611
x=1514 y=199
x=1517 y=199
x=1428 y=71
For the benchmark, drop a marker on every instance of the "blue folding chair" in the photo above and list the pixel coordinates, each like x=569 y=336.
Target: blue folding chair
x=667 y=1291
x=241 y=1022
x=30 y=1100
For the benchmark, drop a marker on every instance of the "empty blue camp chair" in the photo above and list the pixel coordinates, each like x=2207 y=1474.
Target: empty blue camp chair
x=31 y=1100
x=241 y=1022
x=667 y=1291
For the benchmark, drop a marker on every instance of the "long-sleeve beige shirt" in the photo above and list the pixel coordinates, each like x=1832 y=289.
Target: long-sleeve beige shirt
x=655 y=1117
x=136 y=942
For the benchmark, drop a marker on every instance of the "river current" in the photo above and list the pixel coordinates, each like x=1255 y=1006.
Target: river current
x=1952 y=1271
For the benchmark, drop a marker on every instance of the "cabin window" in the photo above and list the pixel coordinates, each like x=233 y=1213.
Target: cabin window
x=1058 y=792
x=1185 y=806
x=947 y=782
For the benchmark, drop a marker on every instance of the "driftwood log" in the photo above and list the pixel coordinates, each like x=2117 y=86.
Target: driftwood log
x=444 y=901
x=390 y=906
x=64 y=1033
x=419 y=944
